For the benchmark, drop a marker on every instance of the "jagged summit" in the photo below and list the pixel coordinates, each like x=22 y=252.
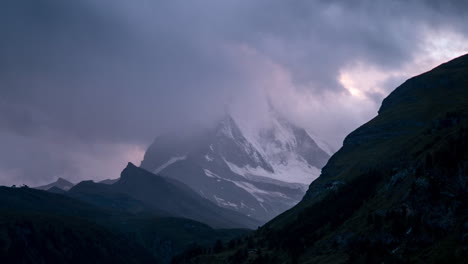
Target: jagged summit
x=260 y=173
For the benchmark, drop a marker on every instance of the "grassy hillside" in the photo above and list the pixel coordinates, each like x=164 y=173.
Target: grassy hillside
x=396 y=192
x=45 y=238
x=44 y=227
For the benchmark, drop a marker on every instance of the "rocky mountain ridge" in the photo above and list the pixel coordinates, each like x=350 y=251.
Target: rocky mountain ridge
x=259 y=174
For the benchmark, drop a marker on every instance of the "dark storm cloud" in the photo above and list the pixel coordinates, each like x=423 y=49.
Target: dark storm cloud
x=97 y=77
x=316 y=38
x=76 y=74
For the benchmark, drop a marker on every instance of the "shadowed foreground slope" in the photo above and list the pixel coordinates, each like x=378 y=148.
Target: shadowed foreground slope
x=44 y=227
x=396 y=192
x=138 y=190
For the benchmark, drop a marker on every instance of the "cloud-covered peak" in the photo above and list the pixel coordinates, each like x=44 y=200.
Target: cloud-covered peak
x=91 y=83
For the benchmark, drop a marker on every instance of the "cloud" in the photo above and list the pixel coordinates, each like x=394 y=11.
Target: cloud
x=85 y=75
x=40 y=159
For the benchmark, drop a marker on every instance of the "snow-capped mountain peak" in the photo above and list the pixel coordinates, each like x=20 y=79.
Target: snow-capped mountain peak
x=290 y=151
x=259 y=172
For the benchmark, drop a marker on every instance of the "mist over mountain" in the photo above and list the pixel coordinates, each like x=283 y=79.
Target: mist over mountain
x=87 y=85
x=396 y=192
x=245 y=131
x=258 y=171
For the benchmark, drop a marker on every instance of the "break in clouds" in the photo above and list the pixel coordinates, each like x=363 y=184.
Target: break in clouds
x=86 y=85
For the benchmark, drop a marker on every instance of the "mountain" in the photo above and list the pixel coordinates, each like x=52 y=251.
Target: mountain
x=139 y=191
x=56 y=190
x=259 y=173
x=109 y=181
x=60 y=183
x=43 y=227
x=32 y=238
x=105 y=196
x=396 y=192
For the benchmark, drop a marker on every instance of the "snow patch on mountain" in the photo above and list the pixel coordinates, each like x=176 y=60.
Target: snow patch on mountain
x=294 y=172
x=248 y=187
x=257 y=169
x=211 y=174
x=221 y=201
x=277 y=144
x=208 y=158
x=168 y=163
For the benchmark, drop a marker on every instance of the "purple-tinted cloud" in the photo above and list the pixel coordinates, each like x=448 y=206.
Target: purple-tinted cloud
x=110 y=75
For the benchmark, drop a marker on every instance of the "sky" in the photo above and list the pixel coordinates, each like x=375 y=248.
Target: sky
x=85 y=86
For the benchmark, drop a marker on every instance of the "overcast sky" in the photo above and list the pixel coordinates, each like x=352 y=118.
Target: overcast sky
x=85 y=86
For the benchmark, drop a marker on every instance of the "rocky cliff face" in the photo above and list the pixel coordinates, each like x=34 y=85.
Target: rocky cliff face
x=260 y=174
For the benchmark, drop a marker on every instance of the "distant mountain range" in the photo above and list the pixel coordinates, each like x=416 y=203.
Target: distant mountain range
x=45 y=227
x=60 y=183
x=144 y=217
x=140 y=191
x=224 y=177
x=396 y=192
x=260 y=173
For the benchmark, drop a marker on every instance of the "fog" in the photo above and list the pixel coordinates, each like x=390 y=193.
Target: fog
x=85 y=86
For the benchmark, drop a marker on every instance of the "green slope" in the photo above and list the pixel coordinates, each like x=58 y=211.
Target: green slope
x=43 y=227
x=45 y=238
x=396 y=192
